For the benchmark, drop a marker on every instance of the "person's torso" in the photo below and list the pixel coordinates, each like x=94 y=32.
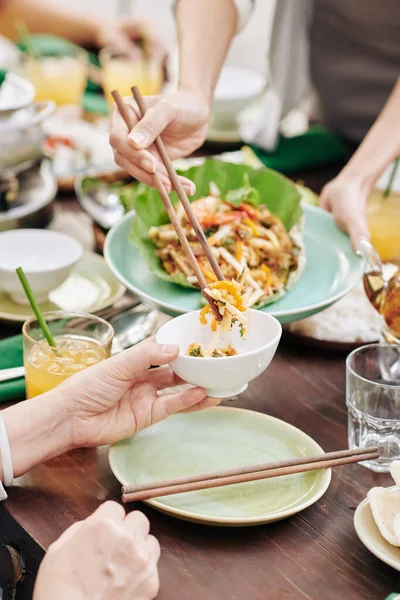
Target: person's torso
x=354 y=60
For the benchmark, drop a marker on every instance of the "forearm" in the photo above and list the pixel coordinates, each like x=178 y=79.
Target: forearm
x=44 y=16
x=205 y=30
x=37 y=430
x=381 y=145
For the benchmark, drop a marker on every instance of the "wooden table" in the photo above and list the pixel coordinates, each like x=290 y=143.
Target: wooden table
x=314 y=555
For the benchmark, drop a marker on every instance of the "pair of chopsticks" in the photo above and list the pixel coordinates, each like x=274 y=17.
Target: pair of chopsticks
x=126 y=114
x=134 y=493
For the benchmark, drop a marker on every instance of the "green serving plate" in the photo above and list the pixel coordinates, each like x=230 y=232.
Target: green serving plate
x=217 y=439
x=332 y=270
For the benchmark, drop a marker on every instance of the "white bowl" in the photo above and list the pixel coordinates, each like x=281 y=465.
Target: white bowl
x=227 y=376
x=47 y=258
x=237 y=88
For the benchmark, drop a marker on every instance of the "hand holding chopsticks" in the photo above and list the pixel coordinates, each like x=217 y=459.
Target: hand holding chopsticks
x=128 y=118
x=134 y=493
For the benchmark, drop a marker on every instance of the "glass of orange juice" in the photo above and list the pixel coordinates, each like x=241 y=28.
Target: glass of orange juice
x=384 y=224
x=58 y=78
x=81 y=340
x=121 y=71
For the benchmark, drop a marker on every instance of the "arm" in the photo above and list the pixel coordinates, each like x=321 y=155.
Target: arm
x=201 y=63
x=43 y=16
x=205 y=30
x=346 y=195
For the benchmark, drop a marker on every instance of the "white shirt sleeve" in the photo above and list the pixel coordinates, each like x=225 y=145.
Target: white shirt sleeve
x=244 y=8
x=3 y=494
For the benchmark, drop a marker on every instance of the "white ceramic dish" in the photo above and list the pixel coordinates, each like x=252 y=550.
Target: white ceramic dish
x=47 y=258
x=370 y=536
x=237 y=88
x=227 y=376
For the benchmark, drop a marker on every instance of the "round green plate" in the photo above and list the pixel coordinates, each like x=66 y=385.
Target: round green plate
x=217 y=439
x=90 y=287
x=332 y=270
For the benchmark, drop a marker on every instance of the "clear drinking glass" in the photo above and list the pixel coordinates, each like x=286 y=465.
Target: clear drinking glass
x=59 y=78
x=373 y=402
x=121 y=71
x=81 y=340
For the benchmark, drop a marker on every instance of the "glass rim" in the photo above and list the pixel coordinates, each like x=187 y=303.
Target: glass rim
x=105 y=54
x=76 y=53
x=62 y=314
x=350 y=369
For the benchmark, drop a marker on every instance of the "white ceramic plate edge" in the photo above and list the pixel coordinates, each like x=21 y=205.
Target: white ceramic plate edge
x=239 y=521
x=359 y=514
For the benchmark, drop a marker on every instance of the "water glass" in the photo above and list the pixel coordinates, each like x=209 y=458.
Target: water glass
x=373 y=402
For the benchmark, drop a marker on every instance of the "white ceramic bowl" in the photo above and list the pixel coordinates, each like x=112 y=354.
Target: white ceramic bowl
x=47 y=258
x=227 y=376
x=237 y=88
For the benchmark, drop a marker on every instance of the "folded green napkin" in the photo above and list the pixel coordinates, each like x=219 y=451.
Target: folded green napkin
x=317 y=146
x=393 y=597
x=11 y=356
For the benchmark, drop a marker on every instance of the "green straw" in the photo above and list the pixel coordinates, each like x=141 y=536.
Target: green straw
x=26 y=38
x=35 y=307
x=391 y=178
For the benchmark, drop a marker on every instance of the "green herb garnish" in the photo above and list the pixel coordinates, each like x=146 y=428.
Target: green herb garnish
x=195 y=351
x=246 y=193
x=241 y=329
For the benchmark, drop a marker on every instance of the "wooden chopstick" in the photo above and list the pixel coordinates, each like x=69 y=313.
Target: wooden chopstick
x=246 y=474
x=180 y=191
x=128 y=118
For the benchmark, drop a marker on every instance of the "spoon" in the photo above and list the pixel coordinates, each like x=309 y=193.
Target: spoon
x=130 y=326
x=101 y=203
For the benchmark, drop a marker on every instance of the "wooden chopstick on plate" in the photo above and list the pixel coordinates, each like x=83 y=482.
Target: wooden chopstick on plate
x=128 y=118
x=134 y=493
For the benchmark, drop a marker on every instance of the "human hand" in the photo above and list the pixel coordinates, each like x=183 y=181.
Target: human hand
x=114 y=399
x=346 y=199
x=181 y=117
x=127 y=35
x=109 y=556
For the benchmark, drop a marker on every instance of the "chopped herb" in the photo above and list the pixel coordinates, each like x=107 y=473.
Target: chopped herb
x=246 y=193
x=195 y=351
x=241 y=330
x=209 y=232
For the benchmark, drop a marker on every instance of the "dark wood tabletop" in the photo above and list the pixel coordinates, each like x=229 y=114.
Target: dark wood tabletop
x=313 y=555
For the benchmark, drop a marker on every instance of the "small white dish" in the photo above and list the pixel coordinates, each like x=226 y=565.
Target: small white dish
x=226 y=376
x=47 y=258
x=370 y=536
x=236 y=89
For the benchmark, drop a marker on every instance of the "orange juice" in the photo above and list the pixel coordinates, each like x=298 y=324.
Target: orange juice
x=121 y=72
x=61 y=79
x=45 y=368
x=384 y=224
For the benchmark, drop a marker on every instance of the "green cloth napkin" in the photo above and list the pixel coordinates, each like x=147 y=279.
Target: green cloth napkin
x=393 y=596
x=3 y=74
x=11 y=356
x=316 y=147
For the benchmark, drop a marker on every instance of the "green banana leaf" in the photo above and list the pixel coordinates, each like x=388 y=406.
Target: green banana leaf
x=274 y=190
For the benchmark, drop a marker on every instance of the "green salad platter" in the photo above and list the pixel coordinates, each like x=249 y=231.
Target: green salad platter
x=328 y=267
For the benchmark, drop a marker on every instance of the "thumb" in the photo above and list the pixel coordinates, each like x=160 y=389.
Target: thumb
x=358 y=231
x=153 y=124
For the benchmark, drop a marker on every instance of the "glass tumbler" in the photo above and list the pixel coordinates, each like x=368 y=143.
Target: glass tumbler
x=373 y=402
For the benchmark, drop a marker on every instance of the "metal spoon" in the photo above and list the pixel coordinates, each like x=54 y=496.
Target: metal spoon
x=131 y=326
x=101 y=203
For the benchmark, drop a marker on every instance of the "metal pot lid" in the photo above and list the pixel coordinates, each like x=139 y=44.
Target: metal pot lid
x=38 y=188
x=15 y=93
